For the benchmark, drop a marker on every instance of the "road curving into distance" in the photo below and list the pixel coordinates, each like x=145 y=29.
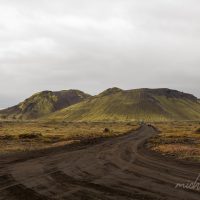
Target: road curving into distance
x=119 y=169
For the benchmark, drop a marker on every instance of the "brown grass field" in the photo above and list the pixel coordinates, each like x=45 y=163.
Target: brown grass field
x=180 y=140
x=26 y=136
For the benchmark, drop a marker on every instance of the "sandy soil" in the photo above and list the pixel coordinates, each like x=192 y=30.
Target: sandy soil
x=118 y=168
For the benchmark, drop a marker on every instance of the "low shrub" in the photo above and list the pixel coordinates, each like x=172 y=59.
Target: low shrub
x=106 y=130
x=30 y=135
x=7 y=137
x=197 y=131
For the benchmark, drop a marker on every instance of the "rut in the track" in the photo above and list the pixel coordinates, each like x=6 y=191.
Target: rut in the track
x=16 y=191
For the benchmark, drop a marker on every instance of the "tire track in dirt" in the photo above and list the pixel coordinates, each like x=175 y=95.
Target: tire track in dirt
x=16 y=190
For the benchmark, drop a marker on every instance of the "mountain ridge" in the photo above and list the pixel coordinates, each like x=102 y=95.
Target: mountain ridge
x=42 y=103
x=138 y=104
x=113 y=104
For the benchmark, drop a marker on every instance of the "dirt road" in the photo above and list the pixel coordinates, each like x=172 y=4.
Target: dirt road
x=119 y=168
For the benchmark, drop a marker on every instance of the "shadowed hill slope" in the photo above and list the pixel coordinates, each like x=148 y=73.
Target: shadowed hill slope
x=43 y=103
x=139 y=104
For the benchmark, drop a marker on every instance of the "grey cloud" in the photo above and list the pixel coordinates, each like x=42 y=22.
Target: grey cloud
x=92 y=45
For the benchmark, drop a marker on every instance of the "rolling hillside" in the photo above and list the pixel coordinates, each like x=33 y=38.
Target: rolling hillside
x=115 y=104
x=43 y=103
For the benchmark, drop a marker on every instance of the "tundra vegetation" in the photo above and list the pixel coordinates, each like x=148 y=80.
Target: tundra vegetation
x=25 y=136
x=178 y=139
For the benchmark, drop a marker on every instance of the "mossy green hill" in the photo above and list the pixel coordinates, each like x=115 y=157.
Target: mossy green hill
x=116 y=104
x=43 y=103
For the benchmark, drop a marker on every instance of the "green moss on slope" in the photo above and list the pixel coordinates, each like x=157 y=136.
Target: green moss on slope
x=140 y=104
x=43 y=103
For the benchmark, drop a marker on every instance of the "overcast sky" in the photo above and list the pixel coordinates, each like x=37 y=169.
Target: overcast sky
x=92 y=45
